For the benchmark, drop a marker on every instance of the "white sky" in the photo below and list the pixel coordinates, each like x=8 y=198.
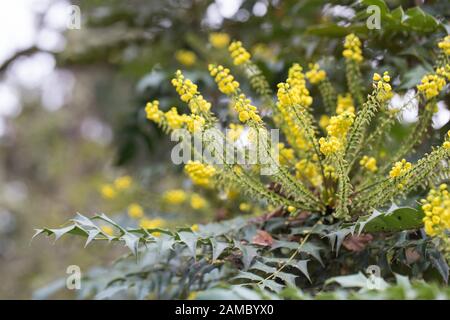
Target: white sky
x=19 y=30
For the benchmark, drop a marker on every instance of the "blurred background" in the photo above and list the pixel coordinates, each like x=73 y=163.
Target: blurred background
x=72 y=99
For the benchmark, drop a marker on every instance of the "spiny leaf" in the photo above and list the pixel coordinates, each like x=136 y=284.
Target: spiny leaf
x=190 y=239
x=395 y=219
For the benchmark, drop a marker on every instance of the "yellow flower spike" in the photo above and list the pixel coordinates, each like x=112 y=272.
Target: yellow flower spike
x=195 y=123
x=315 y=74
x=234 y=131
x=330 y=145
x=446 y=145
x=444 y=72
x=437 y=210
x=153 y=113
x=239 y=54
x=308 y=170
x=175 y=120
x=200 y=174
x=147 y=223
x=383 y=86
x=330 y=172
x=352 y=46
x=369 y=163
x=123 y=183
x=340 y=124
x=400 y=168
x=444 y=45
x=376 y=77
x=198 y=202
x=246 y=111
x=135 y=211
x=107 y=230
x=324 y=121
x=291 y=209
x=185 y=88
x=345 y=103
x=245 y=206
x=188 y=93
x=176 y=196
x=286 y=155
x=224 y=79
x=108 y=191
x=431 y=85
x=219 y=40
x=186 y=57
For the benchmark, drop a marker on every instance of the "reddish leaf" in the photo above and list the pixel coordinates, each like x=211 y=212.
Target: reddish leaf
x=262 y=238
x=357 y=243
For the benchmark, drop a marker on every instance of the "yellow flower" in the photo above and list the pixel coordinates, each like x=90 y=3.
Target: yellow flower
x=176 y=196
x=437 y=211
x=239 y=54
x=192 y=295
x=384 y=89
x=345 y=103
x=444 y=72
x=235 y=131
x=244 y=206
x=195 y=123
x=200 y=174
x=224 y=79
x=286 y=155
x=431 y=85
x=219 y=40
x=135 y=211
x=175 y=120
x=123 y=183
x=153 y=113
x=330 y=172
x=146 y=223
x=107 y=230
x=188 y=93
x=340 y=124
x=444 y=45
x=370 y=163
x=291 y=209
x=352 y=46
x=400 y=168
x=194 y=227
x=315 y=74
x=198 y=202
x=246 y=111
x=329 y=145
x=309 y=170
x=108 y=191
x=324 y=121
x=186 y=57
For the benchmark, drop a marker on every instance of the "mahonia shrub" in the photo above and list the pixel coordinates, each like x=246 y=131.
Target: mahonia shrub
x=332 y=186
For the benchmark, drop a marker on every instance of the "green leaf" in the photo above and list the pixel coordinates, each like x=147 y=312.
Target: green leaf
x=217 y=248
x=190 y=239
x=248 y=253
x=419 y=20
x=395 y=219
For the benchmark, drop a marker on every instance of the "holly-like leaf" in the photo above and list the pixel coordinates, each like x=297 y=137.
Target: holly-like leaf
x=395 y=219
